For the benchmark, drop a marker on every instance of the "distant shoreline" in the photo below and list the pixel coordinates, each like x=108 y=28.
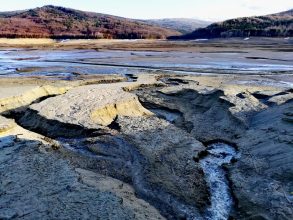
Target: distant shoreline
x=49 y=41
x=144 y=44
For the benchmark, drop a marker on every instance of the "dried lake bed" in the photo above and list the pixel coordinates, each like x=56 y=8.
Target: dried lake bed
x=147 y=130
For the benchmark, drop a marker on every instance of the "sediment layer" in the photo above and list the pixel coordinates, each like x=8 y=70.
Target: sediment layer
x=138 y=147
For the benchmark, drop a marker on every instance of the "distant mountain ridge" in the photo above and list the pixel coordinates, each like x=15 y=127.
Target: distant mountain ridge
x=285 y=13
x=59 y=22
x=274 y=25
x=183 y=25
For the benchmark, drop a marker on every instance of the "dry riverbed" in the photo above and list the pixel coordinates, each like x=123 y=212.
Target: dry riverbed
x=146 y=144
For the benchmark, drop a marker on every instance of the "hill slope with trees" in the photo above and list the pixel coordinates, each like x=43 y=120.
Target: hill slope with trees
x=59 y=22
x=275 y=25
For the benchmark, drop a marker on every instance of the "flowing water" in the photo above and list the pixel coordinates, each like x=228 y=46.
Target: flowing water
x=219 y=154
x=221 y=199
x=67 y=63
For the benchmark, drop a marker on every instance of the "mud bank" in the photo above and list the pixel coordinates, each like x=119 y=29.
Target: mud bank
x=139 y=146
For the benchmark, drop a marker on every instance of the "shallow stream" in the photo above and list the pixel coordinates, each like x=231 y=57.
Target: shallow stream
x=221 y=198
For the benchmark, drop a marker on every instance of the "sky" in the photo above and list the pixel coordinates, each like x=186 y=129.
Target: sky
x=214 y=10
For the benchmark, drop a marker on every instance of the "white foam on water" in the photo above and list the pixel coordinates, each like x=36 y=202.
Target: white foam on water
x=221 y=198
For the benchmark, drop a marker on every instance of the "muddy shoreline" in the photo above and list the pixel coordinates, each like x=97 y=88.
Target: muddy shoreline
x=133 y=145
